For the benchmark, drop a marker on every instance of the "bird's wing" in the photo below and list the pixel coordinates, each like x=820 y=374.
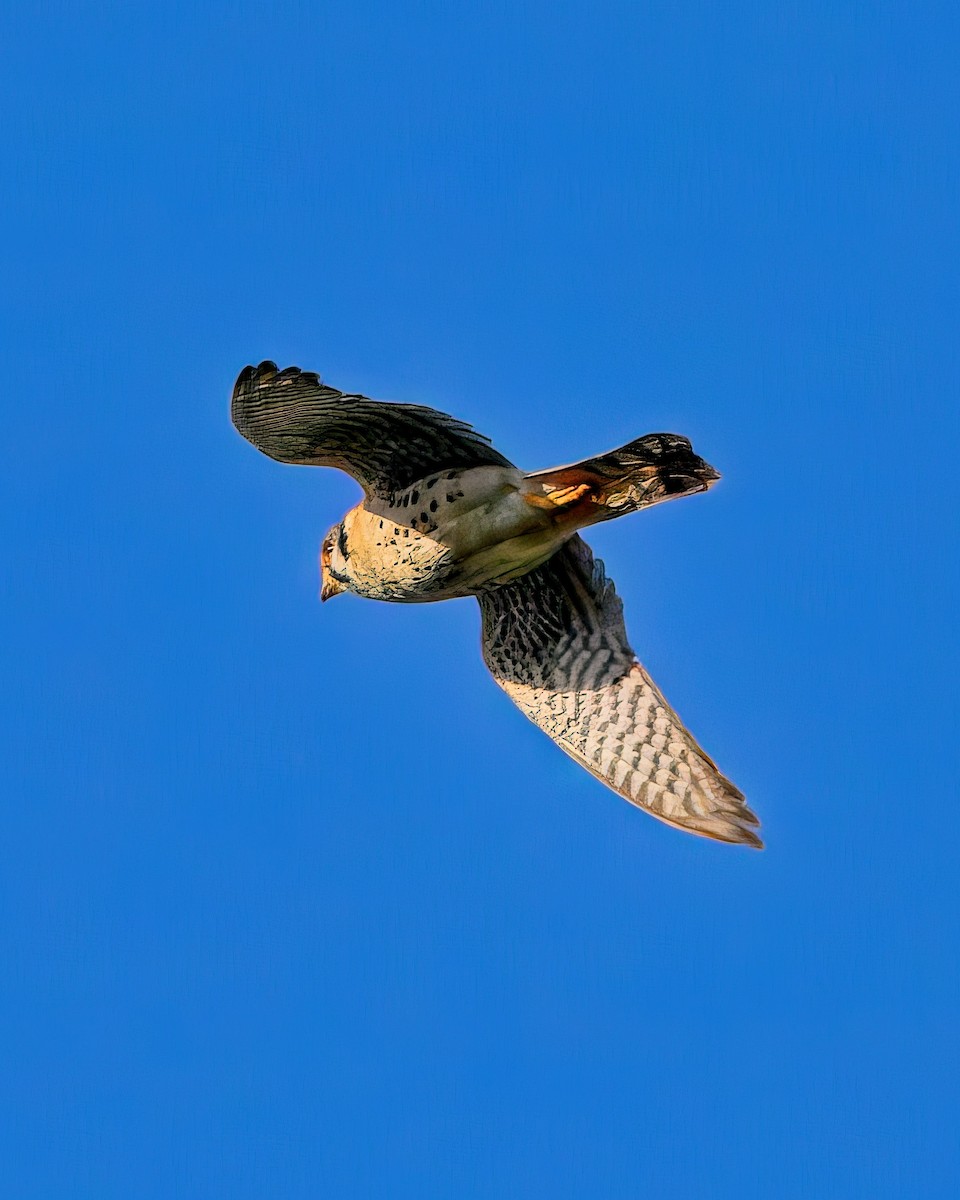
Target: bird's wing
x=294 y=417
x=555 y=641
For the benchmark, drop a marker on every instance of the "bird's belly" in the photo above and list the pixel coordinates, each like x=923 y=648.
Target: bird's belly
x=484 y=534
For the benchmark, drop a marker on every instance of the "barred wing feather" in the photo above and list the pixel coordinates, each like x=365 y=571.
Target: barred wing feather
x=555 y=641
x=294 y=417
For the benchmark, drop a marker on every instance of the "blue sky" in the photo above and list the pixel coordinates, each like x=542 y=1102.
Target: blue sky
x=293 y=902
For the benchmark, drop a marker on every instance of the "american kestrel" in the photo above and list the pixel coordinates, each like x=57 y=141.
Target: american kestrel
x=445 y=514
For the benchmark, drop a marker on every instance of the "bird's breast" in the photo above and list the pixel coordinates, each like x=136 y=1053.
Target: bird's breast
x=447 y=535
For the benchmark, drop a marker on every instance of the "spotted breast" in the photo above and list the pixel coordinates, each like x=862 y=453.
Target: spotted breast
x=448 y=535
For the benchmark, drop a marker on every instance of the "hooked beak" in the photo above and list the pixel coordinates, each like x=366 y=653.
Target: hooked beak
x=329 y=587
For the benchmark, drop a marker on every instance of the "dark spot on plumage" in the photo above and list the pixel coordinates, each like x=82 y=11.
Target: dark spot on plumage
x=451 y=474
x=381 y=524
x=677 y=484
x=431 y=482
x=459 y=495
x=433 y=506
x=424 y=518
x=406 y=501
x=395 y=531
x=413 y=522
x=342 y=542
x=406 y=533
x=414 y=496
x=449 y=498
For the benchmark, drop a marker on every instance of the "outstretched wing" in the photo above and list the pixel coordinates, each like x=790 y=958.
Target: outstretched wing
x=555 y=641
x=296 y=418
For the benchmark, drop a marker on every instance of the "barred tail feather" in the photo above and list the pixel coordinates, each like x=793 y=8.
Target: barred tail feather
x=647 y=471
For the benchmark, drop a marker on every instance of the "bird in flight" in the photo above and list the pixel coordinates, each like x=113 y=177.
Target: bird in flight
x=444 y=514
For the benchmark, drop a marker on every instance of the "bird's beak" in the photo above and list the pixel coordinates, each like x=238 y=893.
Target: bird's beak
x=329 y=587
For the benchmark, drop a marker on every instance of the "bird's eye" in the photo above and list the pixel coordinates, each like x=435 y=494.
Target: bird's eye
x=342 y=542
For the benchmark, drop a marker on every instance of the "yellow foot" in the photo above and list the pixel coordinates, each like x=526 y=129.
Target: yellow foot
x=558 y=497
x=569 y=495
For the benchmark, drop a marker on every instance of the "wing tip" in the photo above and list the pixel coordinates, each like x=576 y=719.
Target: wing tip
x=744 y=836
x=741 y=827
x=252 y=379
x=251 y=400
x=733 y=829
x=255 y=376
x=268 y=371
x=736 y=821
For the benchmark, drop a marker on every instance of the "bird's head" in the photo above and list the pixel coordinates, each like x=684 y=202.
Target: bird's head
x=334 y=563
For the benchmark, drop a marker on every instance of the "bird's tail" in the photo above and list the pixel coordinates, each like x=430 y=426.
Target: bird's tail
x=654 y=468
